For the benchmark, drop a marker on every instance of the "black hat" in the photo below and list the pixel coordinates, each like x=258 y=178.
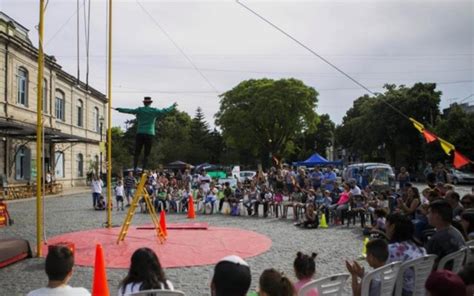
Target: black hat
x=147 y=100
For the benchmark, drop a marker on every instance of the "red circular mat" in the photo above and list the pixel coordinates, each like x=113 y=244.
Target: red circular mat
x=182 y=247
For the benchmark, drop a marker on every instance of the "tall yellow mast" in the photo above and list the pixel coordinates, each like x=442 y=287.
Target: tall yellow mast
x=109 y=123
x=39 y=133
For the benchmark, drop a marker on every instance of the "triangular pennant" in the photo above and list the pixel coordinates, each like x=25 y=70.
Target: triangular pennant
x=460 y=160
x=429 y=137
x=447 y=147
x=420 y=127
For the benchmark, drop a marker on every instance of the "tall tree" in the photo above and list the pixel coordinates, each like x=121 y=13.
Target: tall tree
x=373 y=130
x=316 y=141
x=200 y=139
x=263 y=117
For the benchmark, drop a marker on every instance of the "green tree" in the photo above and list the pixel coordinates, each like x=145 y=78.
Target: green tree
x=173 y=137
x=121 y=158
x=373 y=130
x=200 y=139
x=263 y=117
x=457 y=127
x=316 y=141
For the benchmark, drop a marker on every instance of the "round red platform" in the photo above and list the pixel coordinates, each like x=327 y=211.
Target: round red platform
x=182 y=247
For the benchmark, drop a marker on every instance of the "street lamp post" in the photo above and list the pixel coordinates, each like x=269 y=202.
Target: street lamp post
x=101 y=124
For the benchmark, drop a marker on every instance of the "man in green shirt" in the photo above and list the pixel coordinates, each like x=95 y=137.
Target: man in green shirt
x=146 y=118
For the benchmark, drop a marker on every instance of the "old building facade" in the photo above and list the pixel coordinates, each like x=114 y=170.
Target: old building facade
x=73 y=115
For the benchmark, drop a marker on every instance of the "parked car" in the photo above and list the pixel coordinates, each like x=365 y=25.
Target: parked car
x=379 y=176
x=232 y=182
x=242 y=176
x=457 y=177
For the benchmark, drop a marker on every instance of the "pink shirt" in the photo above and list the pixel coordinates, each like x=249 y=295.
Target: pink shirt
x=344 y=198
x=301 y=283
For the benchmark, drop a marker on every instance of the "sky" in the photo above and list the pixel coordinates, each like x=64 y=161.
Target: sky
x=189 y=52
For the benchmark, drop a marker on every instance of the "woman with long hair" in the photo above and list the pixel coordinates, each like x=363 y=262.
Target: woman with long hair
x=274 y=283
x=402 y=247
x=145 y=273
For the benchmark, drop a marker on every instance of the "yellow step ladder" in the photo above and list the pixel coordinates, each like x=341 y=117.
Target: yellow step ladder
x=139 y=193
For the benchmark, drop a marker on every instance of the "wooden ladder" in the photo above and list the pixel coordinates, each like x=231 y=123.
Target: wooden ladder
x=139 y=193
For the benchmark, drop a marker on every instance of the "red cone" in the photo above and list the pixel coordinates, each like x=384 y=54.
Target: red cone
x=163 y=223
x=100 y=287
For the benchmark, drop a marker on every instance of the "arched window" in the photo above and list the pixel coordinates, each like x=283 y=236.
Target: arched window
x=22 y=163
x=22 y=87
x=80 y=165
x=59 y=164
x=45 y=96
x=80 y=112
x=60 y=105
x=95 y=115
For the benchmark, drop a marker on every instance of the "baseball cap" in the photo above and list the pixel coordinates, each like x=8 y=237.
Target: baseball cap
x=445 y=283
x=231 y=276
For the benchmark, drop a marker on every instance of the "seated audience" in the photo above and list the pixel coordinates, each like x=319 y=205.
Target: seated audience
x=445 y=283
x=467 y=276
x=274 y=283
x=377 y=255
x=145 y=273
x=58 y=266
x=402 y=247
x=231 y=277
x=446 y=239
x=453 y=198
x=409 y=202
x=467 y=222
x=305 y=268
x=467 y=201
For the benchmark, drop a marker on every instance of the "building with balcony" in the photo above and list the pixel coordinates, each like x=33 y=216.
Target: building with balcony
x=73 y=115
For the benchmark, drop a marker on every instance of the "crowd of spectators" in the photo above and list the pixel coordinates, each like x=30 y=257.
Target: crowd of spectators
x=403 y=224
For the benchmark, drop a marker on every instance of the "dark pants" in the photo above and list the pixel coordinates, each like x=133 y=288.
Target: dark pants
x=140 y=141
x=95 y=198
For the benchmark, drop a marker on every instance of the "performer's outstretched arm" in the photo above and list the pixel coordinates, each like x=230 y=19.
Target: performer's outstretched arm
x=126 y=110
x=166 y=110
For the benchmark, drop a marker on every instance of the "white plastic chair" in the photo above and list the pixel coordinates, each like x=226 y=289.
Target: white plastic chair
x=422 y=268
x=387 y=275
x=456 y=257
x=328 y=286
x=157 y=293
x=469 y=254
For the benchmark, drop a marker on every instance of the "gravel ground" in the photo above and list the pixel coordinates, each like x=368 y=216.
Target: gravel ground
x=74 y=213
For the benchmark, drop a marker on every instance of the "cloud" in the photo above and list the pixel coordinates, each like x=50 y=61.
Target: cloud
x=376 y=41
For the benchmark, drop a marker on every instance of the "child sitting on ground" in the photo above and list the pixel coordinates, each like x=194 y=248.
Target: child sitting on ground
x=310 y=218
x=377 y=255
x=305 y=268
x=119 y=192
x=100 y=206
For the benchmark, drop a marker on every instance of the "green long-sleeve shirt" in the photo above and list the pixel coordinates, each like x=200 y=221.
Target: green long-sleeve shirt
x=146 y=117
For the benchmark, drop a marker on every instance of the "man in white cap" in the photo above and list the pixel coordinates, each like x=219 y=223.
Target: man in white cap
x=231 y=277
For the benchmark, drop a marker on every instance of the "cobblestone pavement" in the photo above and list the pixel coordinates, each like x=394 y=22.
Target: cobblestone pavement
x=74 y=213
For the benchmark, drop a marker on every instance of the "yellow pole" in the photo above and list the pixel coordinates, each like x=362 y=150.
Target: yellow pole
x=109 y=123
x=39 y=133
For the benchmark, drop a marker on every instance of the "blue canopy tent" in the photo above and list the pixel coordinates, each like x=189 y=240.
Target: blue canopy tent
x=316 y=160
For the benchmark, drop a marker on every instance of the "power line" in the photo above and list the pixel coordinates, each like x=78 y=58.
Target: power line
x=320 y=57
x=61 y=27
x=466 y=98
x=177 y=46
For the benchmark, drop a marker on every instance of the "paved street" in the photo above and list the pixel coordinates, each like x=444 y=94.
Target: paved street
x=73 y=213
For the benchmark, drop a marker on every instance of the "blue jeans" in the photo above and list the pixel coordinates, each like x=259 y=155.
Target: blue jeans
x=95 y=198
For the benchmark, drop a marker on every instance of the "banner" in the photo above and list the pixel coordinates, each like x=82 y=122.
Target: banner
x=460 y=160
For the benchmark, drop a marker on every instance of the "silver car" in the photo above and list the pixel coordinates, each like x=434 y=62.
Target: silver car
x=457 y=177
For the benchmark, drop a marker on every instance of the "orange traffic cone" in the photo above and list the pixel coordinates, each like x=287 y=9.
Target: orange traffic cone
x=191 y=213
x=163 y=223
x=100 y=287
